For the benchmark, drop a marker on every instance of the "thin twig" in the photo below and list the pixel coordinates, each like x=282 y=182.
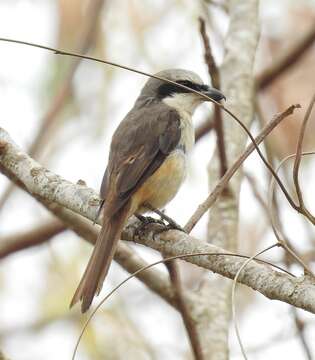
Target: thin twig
x=171 y=258
x=215 y=76
x=283 y=240
x=274 y=223
x=208 y=57
x=262 y=123
x=286 y=244
x=211 y=199
x=111 y=63
x=220 y=134
x=233 y=295
x=243 y=126
x=298 y=156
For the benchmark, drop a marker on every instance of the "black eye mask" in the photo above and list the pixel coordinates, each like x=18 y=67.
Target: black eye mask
x=168 y=89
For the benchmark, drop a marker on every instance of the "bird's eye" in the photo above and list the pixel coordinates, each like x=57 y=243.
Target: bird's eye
x=186 y=83
x=167 y=89
x=194 y=86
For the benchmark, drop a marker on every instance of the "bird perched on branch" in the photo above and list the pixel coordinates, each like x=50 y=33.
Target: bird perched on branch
x=146 y=165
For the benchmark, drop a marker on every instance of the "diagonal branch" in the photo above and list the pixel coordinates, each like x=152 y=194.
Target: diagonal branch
x=286 y=60
x=217 y=191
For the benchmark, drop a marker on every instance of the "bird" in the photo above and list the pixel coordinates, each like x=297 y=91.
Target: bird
x=146 y=165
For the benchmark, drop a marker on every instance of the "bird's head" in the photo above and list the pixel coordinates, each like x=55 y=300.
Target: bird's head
x=175 y=96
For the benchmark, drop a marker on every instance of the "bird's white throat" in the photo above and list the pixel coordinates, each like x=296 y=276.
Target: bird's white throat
x=186 y=102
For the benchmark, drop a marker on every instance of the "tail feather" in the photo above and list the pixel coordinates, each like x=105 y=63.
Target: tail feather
x=100 y=260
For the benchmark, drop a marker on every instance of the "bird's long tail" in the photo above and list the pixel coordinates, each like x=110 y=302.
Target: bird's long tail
x=100 y=260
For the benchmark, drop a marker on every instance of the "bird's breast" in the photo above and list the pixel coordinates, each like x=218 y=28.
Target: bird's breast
x=163 y=184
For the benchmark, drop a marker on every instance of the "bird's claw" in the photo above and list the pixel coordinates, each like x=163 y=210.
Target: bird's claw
x=146 y=220
x=172 y=226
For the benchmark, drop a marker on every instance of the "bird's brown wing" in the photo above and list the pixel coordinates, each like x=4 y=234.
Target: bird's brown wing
x=139 y=146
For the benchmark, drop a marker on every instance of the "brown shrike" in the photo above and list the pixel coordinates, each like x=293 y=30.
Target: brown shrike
x=146 y=165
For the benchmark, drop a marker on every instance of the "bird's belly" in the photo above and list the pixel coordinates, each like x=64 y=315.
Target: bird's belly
x=163 y=185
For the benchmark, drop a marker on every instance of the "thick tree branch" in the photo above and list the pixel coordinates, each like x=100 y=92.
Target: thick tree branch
x=84 y=200
x=124 y=256
x=299 y=292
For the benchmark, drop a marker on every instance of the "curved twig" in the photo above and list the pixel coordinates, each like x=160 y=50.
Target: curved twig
x=217 y=191
x=275 y=227
x=233 y=295
x=67 y=53
x=164 y=260
x=298 y=157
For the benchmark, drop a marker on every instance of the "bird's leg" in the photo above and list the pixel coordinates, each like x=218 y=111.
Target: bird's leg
x=146 y=220
x=172 y=225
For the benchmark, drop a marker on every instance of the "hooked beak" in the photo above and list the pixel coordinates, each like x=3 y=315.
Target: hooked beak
x=214 y=94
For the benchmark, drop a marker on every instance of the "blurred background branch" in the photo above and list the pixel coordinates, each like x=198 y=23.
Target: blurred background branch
x=86 y=41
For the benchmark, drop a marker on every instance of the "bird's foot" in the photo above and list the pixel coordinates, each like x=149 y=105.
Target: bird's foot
x=146 y=220
x=171 y=224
